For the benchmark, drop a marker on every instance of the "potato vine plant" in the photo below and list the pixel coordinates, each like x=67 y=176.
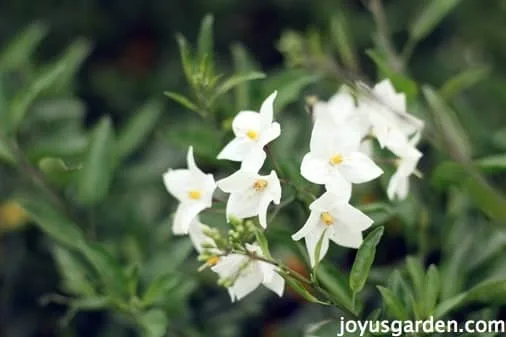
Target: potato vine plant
x=259 y=194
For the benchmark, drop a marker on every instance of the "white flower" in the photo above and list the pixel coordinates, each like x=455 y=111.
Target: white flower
x=247 y=273
x=335 y=159
x=386 y=111
x=342 y=111
x=251 y=194
x=398 y=186
x=252 y=130
x=193 y=189
x=336 y=220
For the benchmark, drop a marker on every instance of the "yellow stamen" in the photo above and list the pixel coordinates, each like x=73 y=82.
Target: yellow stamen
x=194 y=194
x=213 y=260
x=260 y=185
x=327 y=218
x=336 y=159
x=252 y=134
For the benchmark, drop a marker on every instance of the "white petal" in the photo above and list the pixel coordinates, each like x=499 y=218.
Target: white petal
x=245 y=121
x=267 y=270
x=185 y=214
x=398 y=186
x=274 y=187
x=262 y=210
x=197 y=235
x=237 y=149
x=345 y=237
x=208 y=187
x=243 y=204
x=385 y=91
x=246 y=283
x=329 y=200
x=338 y=185
x=352 y=217
x=254 y=160
x=314 y=169
x=238 y=181
x=177 y=182
x=190 y=160
x=228 y=265
x=312 y=241
x=272 y=132
x=309 y=227
x=277 y=284
x=267 y=108
x=358 y=168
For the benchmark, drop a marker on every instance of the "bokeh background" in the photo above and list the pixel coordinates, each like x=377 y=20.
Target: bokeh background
x=133 y=58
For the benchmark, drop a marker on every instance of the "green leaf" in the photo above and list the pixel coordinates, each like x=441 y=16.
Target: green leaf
x=22 y=47
x=242 y=64
x=432 y=289
x=401 y=82
x=448 y=125
x=25 y=98
x=57 y=171
x=98 y=166
x=90 y=303
x=300 y=289
x=466 y=79
x=52 y=222
x=318 y=250
x=184 y=101
x=416 y=273
x=263 y=243
x=488 y=292
x=433 y=13
x=6 y=153
x=234 y=81
x=205 y=41
x=108 y=269
x=364 y=260
x=159 y=290
x=380 y=212
x=341 y=36
x=75 y=273
x=185 y=55
x=393 y=304
x=336 y=283
x=137 y=129
x=154 y=323
x=206 y=141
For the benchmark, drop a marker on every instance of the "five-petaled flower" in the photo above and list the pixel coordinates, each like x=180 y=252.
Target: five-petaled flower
x=245 y=273
x=335 y=159
x=252 y=130
x=193 y=189
x=335 y=219
x=251 y=194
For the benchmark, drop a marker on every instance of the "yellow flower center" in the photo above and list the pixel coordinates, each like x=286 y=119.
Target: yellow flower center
x=252 y=134
x=336 y=159
x=327 y=218
x=260 y=185
x=194 y=194
x=213 y=260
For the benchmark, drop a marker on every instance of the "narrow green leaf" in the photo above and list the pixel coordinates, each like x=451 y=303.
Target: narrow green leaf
x=432 y=289
x=52 y=222
x=75 y=273
x=22 y=47
x=234 y=81
x=137 y=129
x=300 y=289
x=341 y=37
x=90 y=303
x=184 y=101
x=416 y=273
x=6 y=153
x=433 y=13
x=393 y=305
x=336 y=283
x=109 y=270
x=24 y=99
x=242 y=64
x=466 y=79
x=98 y=166
x=318 y=250
x=448 y=126
x=154 y=323
x=186 y=58
x=57 y=171
x=364 y=260
x=205 y=41
x=291 y=91
x=263 y=243
x=159 y=289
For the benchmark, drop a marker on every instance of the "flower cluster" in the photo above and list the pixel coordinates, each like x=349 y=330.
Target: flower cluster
x=337 y=158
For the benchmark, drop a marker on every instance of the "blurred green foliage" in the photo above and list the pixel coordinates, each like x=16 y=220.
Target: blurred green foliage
x=86 y=133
